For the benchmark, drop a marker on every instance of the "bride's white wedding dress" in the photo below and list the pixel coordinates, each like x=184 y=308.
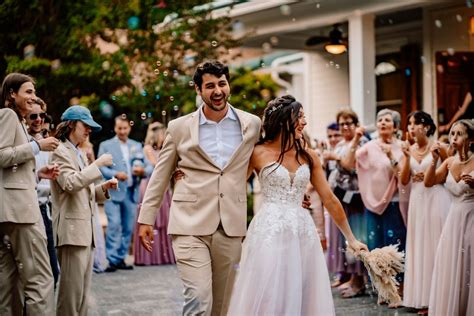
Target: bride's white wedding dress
x=282 y=270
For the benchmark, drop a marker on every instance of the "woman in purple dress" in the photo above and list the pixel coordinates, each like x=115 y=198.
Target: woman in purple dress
x=162 y=251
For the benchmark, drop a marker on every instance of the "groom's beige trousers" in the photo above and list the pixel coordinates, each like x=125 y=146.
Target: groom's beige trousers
x=206 y=265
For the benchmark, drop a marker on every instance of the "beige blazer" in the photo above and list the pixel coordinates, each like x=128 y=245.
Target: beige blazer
x=207 y=195
x=74 y=195
x=18 y=198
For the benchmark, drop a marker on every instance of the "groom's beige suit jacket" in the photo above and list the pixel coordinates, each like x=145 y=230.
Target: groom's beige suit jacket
x=206 y=195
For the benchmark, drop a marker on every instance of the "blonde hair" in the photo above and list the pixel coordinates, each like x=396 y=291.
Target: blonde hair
x=155 y=135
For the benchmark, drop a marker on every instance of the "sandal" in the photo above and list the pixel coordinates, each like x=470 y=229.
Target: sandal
x=336 y=283
x=351 y=292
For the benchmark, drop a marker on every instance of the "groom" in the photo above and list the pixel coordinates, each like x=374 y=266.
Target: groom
x=208 y=216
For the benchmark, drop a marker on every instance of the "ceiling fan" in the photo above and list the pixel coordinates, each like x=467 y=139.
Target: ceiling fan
x=334 y=43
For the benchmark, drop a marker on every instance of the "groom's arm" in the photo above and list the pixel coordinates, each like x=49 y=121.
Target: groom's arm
x=159 y=181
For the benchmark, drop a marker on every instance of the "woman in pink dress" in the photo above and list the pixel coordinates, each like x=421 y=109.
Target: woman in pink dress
x=452 y=291
x=428 y=208
x=162 y=251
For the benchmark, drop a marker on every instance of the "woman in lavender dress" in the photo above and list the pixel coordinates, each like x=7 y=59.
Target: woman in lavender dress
x=162 y=251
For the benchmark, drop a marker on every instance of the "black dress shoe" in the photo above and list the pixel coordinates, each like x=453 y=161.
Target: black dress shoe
x=111 y=268
x=123 y=266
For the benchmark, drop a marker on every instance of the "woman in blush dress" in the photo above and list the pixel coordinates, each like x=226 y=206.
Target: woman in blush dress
x=282 y=270
x=428 y=208
x=162 y=251
x=452 y=291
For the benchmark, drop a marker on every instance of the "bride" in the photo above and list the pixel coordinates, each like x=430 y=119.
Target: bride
x=282 y=270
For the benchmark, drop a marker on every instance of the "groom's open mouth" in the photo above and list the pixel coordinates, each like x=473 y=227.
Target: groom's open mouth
x=218 y=101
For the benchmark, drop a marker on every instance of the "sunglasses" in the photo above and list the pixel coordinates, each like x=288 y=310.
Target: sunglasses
x=35 y=116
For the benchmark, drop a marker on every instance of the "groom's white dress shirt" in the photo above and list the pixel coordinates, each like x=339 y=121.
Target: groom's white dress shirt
x=219 y=140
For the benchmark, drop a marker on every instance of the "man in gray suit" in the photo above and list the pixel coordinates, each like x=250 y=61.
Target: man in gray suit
x=128 y=168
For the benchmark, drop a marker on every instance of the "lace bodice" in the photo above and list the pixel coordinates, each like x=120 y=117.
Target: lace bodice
x=283 y=187
x=281 y=211
x=460 y=190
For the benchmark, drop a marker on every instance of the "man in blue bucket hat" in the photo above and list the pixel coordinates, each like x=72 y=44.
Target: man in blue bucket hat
x=75 y=192
x=80 y=113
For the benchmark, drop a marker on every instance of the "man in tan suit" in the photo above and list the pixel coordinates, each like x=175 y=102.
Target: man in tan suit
x=212 y=147
x=74 y=195
x=24 y=260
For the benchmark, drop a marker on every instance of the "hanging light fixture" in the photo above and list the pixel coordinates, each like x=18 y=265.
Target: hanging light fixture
x=336 y=44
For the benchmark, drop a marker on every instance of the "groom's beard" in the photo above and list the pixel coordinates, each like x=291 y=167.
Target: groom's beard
x=216 y=108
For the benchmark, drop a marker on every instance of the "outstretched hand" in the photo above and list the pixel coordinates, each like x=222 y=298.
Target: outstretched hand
x=145 y=233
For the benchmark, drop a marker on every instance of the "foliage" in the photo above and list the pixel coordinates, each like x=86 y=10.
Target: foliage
x=146 y=63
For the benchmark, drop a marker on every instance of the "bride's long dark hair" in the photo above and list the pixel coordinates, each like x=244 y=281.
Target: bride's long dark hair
x=281 y=116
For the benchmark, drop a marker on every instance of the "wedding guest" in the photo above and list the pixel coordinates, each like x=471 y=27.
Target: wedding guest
x=22 y=229
x=128 y=168
x=74 y=195
x=453 y=274
x=347 y=191
x=428 y=208
x=162 y=249
x=385 y=199
x=34 y=121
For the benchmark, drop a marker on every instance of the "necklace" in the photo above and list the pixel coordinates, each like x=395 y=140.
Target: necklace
x=422 y=153
x=465 y=161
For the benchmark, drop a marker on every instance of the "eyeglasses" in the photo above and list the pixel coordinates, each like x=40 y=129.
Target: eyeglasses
x=346 y=124
x=35 y=116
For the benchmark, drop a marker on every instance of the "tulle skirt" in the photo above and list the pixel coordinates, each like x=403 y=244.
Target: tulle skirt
x=282 y=270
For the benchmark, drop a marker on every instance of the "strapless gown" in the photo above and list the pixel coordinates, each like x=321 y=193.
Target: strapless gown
x=282 y=270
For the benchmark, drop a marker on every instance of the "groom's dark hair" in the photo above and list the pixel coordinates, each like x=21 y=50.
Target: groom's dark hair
x=213 y=67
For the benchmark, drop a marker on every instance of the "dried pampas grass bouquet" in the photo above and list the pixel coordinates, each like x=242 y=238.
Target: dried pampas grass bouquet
x=383 y=264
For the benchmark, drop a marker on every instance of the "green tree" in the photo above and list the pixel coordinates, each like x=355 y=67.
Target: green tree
x=155 y=47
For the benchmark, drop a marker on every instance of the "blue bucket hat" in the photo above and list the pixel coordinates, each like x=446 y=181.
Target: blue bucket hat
x=80 y=113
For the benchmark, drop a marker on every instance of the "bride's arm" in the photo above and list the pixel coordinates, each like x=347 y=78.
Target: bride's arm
x=252 y=161
x=332 y=204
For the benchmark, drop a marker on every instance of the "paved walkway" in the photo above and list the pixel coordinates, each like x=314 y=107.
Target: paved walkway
x=156 y=290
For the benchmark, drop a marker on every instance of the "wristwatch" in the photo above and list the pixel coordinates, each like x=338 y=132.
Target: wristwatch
x=393 y=162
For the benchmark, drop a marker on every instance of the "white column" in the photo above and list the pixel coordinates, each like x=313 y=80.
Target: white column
x=361 y=66
x=428 y=100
